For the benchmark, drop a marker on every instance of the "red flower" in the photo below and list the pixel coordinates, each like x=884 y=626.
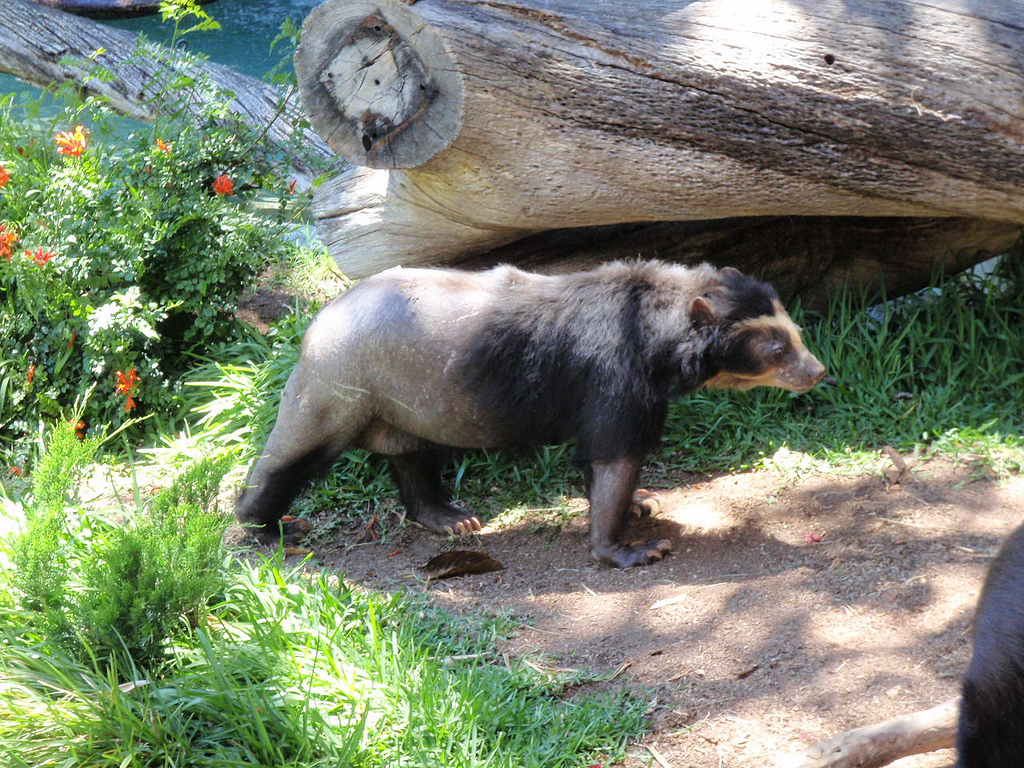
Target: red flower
x=162 y=145
x=7 y=239
x=74 y=334
x=14 y=471
x=126 y=382
x=291 y=187
x=222 y=185
x=126 y=385
x=41 y=256
x=31 y=374
x=4 y=177
x=72 y=143
x=79 y=429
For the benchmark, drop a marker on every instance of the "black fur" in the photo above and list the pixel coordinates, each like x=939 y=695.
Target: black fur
x=596 y=356
x=991 y=728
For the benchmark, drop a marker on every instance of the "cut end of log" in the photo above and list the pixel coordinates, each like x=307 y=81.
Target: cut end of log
x=378 y=84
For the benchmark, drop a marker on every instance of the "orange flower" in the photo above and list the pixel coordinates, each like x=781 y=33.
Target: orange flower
x=4 y=177
x=41 y=256
x=291 y=187
x=31 y=374
x=79 y=429
x=7 y=239
x=223 y=185
x=72 y=143
x=126 y=382
x=162 y=145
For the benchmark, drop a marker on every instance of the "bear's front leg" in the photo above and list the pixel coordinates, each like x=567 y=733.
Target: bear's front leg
x=610 y=486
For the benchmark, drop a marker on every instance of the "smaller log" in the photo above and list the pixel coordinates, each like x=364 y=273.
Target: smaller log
x=107 y=9
x=876 y=745
x=40 y=46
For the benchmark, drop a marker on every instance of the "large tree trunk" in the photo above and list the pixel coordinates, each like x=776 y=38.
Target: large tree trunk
x=44 y=47
x=480 y=122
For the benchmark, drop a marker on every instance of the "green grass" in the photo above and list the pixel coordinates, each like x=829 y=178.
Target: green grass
x=132 y=639
x=938 y=372
x=293 y=669
x=268 y=666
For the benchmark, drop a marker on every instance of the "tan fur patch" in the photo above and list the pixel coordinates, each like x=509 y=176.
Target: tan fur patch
x=778 y=319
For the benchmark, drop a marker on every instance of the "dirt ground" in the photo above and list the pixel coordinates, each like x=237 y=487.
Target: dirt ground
x=794 y=605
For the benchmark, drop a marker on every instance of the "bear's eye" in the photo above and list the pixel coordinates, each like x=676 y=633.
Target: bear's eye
x=774 y=350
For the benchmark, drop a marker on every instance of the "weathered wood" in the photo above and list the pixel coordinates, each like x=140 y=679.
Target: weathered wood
x=807 y=256
x=380 y=87
x=44 y=47
x=589 y=114
x=876 y=745
x=107 y=9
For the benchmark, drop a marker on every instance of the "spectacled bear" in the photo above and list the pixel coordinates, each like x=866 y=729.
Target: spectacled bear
x=991 y=729
x=411 y=361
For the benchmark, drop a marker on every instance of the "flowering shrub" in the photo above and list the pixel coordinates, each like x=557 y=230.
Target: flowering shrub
x=121 y=255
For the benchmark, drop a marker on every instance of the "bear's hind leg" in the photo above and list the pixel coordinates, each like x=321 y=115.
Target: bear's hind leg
x=272 y=487
x=419 y=482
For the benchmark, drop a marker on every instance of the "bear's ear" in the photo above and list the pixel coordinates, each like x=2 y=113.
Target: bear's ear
x=701 y=311
x=730 y=272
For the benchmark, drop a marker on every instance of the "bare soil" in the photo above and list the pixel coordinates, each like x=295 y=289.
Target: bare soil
x=794 y=605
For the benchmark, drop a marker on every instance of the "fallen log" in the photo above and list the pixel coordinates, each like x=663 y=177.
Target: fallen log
x=876 y=745
x=107 y=9
x=45 y=47
x=480 y=122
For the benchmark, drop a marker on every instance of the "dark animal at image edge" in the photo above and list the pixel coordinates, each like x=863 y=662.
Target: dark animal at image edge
x=412 y=361
x=991 y=728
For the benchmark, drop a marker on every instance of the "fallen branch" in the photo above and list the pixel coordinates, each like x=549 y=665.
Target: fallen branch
x=880 y=744
x=43 y=47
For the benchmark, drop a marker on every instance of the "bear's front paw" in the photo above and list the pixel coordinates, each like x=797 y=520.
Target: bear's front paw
x=632 y=555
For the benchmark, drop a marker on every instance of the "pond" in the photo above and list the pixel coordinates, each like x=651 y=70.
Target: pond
x=248 y=27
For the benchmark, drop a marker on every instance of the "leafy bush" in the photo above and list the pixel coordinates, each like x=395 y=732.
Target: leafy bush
x=122 y=250
x=114 y=589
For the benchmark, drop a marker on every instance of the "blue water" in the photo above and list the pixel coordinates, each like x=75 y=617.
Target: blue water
x=248 y=27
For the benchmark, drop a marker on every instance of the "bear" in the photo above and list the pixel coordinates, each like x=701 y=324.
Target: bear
x=990 y=732
x=413 y=361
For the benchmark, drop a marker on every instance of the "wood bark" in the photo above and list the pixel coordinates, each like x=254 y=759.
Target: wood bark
x=876 y=745
x=481 y=122
x=45 y=47
x=107 y=9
